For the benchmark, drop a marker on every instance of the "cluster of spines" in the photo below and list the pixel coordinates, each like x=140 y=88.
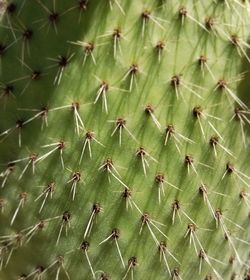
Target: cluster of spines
x=133 y=71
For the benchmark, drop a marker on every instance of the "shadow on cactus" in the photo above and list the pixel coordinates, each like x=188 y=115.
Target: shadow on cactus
x=124 y=140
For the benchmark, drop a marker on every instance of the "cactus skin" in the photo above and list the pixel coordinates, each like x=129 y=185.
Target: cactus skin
x=164 y=67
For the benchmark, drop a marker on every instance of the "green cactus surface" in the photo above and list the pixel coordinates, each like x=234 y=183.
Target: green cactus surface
x=124 y=139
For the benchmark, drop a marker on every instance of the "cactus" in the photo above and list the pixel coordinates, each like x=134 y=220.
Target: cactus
x=124 y=139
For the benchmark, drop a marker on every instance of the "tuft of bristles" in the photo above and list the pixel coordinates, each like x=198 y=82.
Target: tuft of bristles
x=124 y=140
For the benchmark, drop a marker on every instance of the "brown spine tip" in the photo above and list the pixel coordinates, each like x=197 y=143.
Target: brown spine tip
x=235 y=40
x=19 y=239
x=117 y=33
x=61 y=145
x=104 y=276
x=202 y=254
x=146 y=15
x=19 y=123
x=133 y=69
x=141 y=152
x=162 y=246
x=63 y=61
x=8 y=90
x=132 y=262
x=197 y=111
x=230 y=168
x=60 y=259
x=33 y=157
x=35 y=75
x=53 y=17
x=214 y=140
x=183 y=12
x=76 y=176
x=40 y=269
x=96 y=208
x=145 y=218
x=115 y=233
x=89 y=48
x=188 y=160
x=85 y=246
x=104 y=86
x=66 y=216
x=242 y=194
x=2 y=203
x=203 y=189
x=27 y=34
x=149 y=109
x=170 y=130
x=175 y=273
x=75 y=105
x=2 y=48
x=191 y=227
x=44 y=110
x=11 y=8
x=160 y=46
x=108 y=164
x=41 y=225
x=237 y=113
x=221 y=84
x=175 y=81
x=23 y=196
x=11 y=166
x=127 y=193
x=89 y=135
x=234 y=276
x=218 y=214
x=231 y=260
x=120 y=122
x=159 y=178
x=51 y=187
x=23 y=276
x=176 y=205
x=209 y=23
x=83 y=5
x=202 y=60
